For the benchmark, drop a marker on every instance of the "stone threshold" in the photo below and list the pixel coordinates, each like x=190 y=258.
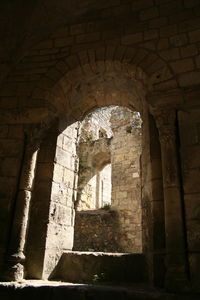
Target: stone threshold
x=57 y=290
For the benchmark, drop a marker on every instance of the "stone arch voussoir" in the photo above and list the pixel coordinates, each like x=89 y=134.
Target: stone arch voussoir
x=66 y=79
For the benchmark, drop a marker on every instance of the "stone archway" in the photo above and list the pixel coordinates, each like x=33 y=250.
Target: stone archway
x=120 y=84
x=80 y=87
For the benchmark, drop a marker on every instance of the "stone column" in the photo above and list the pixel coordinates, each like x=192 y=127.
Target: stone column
x=15 y=253
x=98 y=204
x=176 y=258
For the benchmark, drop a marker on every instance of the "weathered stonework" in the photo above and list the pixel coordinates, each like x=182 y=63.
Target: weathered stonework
x=123 y=151
x=97 y=230
x=126 y=176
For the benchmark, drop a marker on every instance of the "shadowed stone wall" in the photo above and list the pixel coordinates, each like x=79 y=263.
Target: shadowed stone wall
x=56 y=178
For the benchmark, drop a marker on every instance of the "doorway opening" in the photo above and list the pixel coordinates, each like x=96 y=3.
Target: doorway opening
x=108 y=203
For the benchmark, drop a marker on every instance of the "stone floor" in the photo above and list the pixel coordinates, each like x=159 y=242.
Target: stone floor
x=55 y=290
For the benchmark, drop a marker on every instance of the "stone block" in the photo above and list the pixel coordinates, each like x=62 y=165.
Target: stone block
x=69 y=144
x=4 y=131
x=179 y=40
x=193 y=235
x=68 y=177
x=150 y=34
x=60 y=140
x=78 y=28
x=9 y=102
x=44 y=45
x=192 y=206
x=7 y=186
x=16 y=132
x=170 y=54
x=62 y=193
x=6 y=204
x=89 y=37
x=191 y=157
x=194 y=36
x=69 y=130
x=64 y=158
x=60 y=237
x=58 y=173
x=191 y=181
x=194 y=260
x=189 y=50
x=132 y=38
x=149 y=13
x=169 y=8
x=191 y=3
x=168 y=31
x=142 y=4
x=158 y=22
x=9 y=167
x=60 y=214
x=163 y=43
x=166 y=85
x=10 y=147
x=183 y=65
x=189 y=79
x=63 y=42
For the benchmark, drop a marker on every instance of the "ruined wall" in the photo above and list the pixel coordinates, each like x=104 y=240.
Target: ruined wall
x=97 y=191
x=94 y=181
x=126 y=181
x=105 y=186
x=97 y=230
x=98 y=120
x=125 y=150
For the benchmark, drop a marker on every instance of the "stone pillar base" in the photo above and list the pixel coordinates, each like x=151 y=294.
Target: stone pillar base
x=13 y=272
x=177 y=281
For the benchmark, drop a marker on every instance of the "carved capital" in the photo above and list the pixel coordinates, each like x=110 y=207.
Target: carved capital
x=36 y=133
x=165 y=122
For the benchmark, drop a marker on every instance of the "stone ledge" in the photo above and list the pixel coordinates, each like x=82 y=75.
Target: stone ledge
x=100 y=267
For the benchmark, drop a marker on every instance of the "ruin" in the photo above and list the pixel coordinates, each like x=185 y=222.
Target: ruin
x=109 y=178
x=61 y=61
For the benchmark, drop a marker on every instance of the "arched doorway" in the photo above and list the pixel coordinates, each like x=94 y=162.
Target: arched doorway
x=119 y=85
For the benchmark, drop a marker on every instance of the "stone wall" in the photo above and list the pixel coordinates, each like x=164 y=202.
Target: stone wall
x=60 y=164
x=95 y=124
x=12 y=144
x=97 y=230
x=124 y=151
x=97 y=191
x=60 y=231
x=126 y=176
x=93 y=157
x=94 y=183
x=189 y=123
